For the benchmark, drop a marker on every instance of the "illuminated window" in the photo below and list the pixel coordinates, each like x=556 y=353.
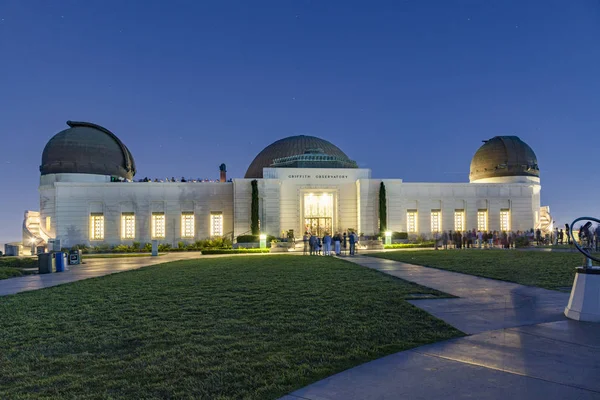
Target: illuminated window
x=48 y=224
x=97 y=226
x=158 y=225
x=459 y=220
x=128 y=226
x=187 y=224
x=482 y=216
x=505 y=220
x=216 y=224
x=411 y=221
x=436 y=220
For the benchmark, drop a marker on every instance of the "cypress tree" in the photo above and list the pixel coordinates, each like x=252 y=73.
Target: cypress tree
x=254 y=208
x=382 y=208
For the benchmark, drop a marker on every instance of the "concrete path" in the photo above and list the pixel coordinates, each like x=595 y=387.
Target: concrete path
x=521 y=347
x=92 y=268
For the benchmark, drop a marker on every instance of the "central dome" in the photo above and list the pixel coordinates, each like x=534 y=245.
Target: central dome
x=299 y=152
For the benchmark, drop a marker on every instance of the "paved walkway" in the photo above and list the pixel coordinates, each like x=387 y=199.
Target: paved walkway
x=93 y=267
x=521 y=347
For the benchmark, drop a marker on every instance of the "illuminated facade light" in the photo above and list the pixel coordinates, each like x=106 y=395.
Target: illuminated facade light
x=482 y=220
x=505 y=220
x=216 y=224
x=127 y=226
x=48 y=224
x=97 y=226
x=187 y=225
x=158 y=225
x=411 y=221
x=436 y=221
x=459 y=220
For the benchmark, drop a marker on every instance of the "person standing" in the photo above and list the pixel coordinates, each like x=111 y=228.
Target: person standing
x=319 y=245
x=336 y=243
x=561 y=236
x=312 y=241
x=327 y=244
x=345 y=242
x=445 y=240
x=305 y=241
x=352 y=243
x=567 y=233
x=538 y=236
x=479 y=238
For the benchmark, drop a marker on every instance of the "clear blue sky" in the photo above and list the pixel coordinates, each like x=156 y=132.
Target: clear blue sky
x=406 y=88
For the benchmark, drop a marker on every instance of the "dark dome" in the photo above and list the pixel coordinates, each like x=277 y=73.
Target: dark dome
x=87 y=148
x=504 y=156
x=299 y=152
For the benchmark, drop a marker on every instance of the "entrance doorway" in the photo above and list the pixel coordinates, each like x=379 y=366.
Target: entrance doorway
x=318 y=226
x=318 y=213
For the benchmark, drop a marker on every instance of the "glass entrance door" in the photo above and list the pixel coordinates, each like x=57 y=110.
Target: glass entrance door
x=318 y=226
x=318 y=213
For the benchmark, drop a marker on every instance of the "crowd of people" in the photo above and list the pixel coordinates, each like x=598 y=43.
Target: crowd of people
x=172 y=179
x=588 y=236
x=314 y=245
x=480 y=239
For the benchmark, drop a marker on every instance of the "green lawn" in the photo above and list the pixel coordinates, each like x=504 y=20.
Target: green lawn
x=550 y=270
x=228 y=328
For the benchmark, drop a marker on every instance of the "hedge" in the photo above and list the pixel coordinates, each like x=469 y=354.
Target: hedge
x=18 y=262
x=233 y=251
x=409 y=245
x=253 y=238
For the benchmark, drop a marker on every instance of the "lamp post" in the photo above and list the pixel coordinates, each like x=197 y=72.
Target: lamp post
x=33 y=242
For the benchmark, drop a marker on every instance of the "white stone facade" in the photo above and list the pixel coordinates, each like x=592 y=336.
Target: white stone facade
x=68 y=202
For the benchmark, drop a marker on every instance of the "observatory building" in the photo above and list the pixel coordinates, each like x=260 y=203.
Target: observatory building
x=88 y=194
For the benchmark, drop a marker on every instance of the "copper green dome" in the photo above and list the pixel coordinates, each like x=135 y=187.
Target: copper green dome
x=299 y=152
x=504 y=156
x=86 y=148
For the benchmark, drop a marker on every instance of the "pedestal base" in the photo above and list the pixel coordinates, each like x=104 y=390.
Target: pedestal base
x=584 y=304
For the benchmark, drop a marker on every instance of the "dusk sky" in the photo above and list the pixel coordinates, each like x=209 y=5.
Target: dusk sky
x=407 y=88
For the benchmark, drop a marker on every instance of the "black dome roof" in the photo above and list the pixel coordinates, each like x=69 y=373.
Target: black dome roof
x=504 y=156
x=301 y=152
x=86 y=148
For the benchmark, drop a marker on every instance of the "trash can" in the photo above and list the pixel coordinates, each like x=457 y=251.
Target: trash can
x=74 y=257
x=60 y=261
x=46 y=264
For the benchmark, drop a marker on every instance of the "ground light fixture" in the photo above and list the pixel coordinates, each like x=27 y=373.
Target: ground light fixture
x=263 y=240
x=388 y=237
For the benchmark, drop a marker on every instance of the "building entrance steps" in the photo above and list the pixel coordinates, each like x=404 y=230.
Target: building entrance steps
x=521 y=346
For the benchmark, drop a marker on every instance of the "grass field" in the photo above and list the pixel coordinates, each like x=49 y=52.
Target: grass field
x=223 y=328
x=551 y=270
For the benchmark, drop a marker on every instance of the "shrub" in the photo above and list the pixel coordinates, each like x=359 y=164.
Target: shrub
x=247 y=238
x=136 y=246
x=254 y=238
x=164 y=247
x=18 y=262
x=399 y=235
x=121 y=248
x=410 y=245
x=147 y=246
x=234 y=251
x=521 y=241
